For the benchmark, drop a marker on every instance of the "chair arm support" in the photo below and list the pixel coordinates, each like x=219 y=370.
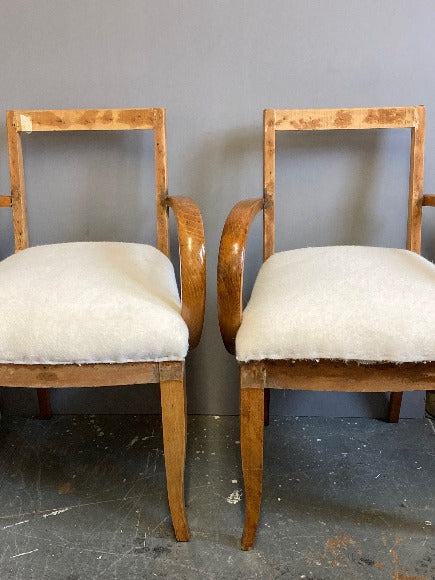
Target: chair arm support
x=429 y=200
x=231 y=265
x=5 y=201
x=191 y=241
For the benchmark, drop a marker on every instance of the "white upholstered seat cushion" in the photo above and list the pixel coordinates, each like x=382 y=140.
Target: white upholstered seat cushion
x=90 y=302
x=341 y=302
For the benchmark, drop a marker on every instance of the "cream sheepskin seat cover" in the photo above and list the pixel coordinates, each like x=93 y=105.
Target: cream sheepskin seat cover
x=90 y=302
x=342 y=302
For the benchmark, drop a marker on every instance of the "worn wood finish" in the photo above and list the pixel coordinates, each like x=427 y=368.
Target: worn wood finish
x=19 y=211
x=5 y=201
x=269 y=184
x=44 y=403
x=324 y=375
x=342 y=376
x=332 y=119
x=416 y=172
x=74 y=375
x=84 y=120
x=191 y=241
x=173 y=398
x=161 y=181
x=329 y=119
x=170 y=374
x=429 y=200
x=18 y=187
x=251 y=441
x=231 y=264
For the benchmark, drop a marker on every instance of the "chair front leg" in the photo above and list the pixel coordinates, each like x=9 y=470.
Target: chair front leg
x=174 y=419
x=251 y=442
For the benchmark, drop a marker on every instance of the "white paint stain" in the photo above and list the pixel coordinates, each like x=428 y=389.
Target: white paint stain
x=235 y=496
x=26 y=123
x=56 y=512
x=216 y=417
x=17 y=524
x=234 y=481
x=132 y=442
x=25 y=553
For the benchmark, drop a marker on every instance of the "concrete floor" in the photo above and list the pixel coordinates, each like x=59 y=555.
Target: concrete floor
x=83 y=497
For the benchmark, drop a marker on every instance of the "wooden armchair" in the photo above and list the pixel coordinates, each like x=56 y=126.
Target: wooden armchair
x=342 y=318
x=103 y=313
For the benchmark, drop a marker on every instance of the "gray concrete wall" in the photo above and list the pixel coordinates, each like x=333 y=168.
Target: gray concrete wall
x=215 y=65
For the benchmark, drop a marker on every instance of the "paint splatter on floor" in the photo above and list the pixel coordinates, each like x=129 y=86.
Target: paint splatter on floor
x=75 y=504
x=235 y=496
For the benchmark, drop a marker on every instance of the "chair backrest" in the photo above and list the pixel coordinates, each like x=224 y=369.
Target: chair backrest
x=83 y=120
x=332 y=119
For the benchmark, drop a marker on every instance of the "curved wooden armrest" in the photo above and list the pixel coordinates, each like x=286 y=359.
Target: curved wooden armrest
x=231 y=264
x=191 y=242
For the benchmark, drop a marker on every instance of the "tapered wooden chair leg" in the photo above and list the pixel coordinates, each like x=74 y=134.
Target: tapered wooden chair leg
x=44 y=403
x=173 y=399
x=251 y=441
x=266 y=406
x=394 y=407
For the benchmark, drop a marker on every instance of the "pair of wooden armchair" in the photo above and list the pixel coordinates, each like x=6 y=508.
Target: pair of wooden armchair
x=97 y=314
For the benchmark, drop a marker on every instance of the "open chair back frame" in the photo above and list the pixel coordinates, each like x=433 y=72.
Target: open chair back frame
x=338 y=119
x=258 y=376
x=84 y=120
x=170 y=374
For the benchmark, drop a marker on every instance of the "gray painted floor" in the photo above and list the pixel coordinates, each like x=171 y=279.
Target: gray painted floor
x=84 y=498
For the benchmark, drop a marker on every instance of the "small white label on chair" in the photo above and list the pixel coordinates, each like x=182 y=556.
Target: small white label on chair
x=26 y=123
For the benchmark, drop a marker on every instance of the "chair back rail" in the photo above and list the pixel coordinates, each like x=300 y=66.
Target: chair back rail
x=19 y=121
x=332 y=119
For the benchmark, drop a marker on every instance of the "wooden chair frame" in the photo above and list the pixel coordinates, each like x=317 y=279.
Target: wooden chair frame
x=326 y=375
x=171 y=374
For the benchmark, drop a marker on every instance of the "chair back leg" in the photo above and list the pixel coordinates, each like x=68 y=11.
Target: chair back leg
x=44 y=403
x=266 y=407
x=394 y=407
